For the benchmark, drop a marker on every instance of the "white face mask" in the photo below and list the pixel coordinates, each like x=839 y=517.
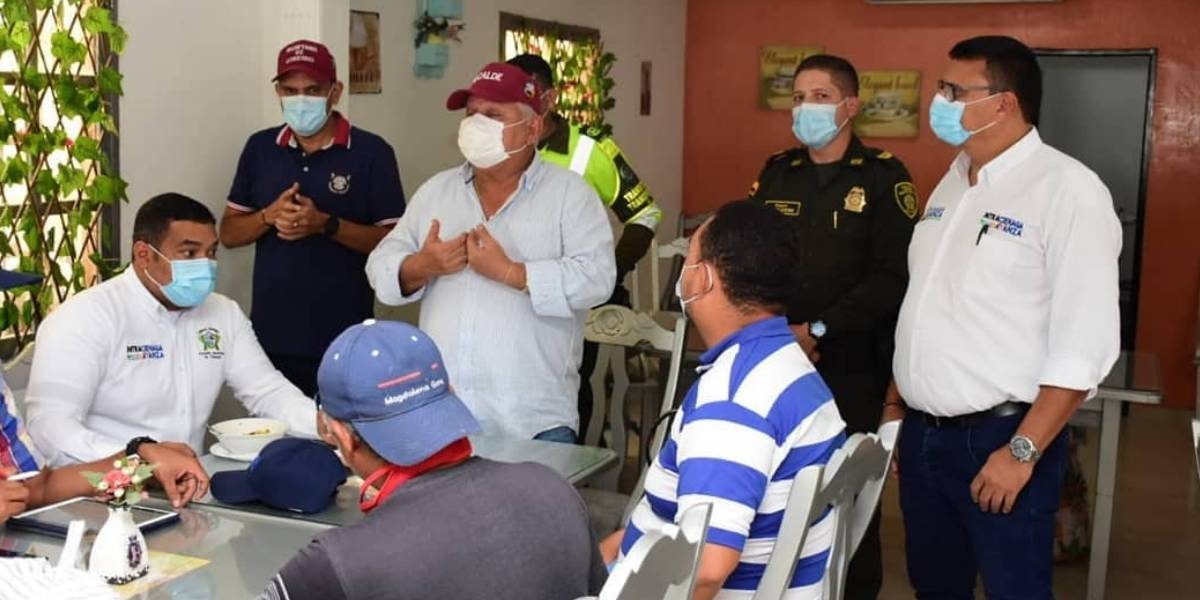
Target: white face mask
x=683 y=302
x=481 y=141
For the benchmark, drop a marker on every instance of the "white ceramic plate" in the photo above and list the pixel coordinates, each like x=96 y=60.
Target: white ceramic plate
x=218 y=450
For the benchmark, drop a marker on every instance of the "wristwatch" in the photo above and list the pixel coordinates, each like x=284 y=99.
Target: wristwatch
x=1023 y=450
x=817 y=329
x=331 y=226
x=131 y=449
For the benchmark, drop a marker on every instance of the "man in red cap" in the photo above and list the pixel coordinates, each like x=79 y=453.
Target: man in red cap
x=315 y=196
x=539 y=249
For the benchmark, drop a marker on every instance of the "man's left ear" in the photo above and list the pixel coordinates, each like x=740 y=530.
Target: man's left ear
x=853 y=105
x=335 y=94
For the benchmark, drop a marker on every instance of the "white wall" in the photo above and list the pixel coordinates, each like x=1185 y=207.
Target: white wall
x=197 y=84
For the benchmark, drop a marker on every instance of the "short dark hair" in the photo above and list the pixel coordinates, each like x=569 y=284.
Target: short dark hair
x=755 y=252
x=1011 y=67
x=535 y=66
x=843 y=74
x=154 y=218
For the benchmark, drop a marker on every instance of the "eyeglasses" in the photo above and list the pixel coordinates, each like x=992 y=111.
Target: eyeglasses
x=953 y=91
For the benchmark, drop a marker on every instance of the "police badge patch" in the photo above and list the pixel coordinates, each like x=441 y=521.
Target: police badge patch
x=906 y=199
x=339 y=184
x=856 y=199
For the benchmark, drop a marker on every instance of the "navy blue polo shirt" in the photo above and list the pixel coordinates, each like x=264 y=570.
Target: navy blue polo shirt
x=308 y=291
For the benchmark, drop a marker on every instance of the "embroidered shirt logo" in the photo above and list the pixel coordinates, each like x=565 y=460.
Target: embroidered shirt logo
x=933 y=213
x=210 y=343
x=1002 y=223
x=144 y=352
x=339 y=184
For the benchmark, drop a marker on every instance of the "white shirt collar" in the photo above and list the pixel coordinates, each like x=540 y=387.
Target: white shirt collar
x=139 y=295
x=1004 y=162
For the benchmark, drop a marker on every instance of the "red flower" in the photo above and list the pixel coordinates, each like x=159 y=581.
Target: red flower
x=116 y=479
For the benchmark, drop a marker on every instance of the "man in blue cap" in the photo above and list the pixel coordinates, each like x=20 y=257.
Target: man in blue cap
x=439 y=523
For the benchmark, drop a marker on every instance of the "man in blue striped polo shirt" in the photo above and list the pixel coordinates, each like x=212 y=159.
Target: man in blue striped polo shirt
x=758 y=414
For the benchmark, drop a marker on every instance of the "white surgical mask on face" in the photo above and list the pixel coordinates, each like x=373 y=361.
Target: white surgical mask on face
x=481 y=140
x=683 y=302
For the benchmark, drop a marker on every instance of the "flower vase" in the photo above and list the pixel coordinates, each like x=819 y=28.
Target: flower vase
x=119 y=554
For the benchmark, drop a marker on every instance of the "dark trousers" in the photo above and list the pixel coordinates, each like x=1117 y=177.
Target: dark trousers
x=949 y=539
x=300 y=370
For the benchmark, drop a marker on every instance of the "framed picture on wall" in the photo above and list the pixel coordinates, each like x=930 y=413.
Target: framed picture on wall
x=366 y=75
x=891 y=104
x=777 y=64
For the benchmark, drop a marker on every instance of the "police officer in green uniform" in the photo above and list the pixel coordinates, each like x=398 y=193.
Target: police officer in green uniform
x=856 y=206
x=598 y=159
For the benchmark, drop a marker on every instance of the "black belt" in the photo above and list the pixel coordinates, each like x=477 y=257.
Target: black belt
x=1007 y=409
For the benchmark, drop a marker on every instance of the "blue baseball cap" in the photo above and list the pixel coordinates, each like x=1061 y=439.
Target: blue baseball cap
x=14 y=279
x=289 y=474
x=388 y=379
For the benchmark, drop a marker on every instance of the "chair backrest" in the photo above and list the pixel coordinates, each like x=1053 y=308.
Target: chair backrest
x=840 y=482
x=658 y=253
x=16 y=375
x=662 y=564
x=868 y=500
x=616 y=328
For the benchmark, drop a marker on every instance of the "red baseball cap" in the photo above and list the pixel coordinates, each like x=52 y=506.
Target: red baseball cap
x=308 y=57
x=499 y=82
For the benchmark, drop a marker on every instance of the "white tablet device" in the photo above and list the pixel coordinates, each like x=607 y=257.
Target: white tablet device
x=55 y=518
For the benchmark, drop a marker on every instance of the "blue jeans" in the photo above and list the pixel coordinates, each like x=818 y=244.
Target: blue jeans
x=562 y=435
x=949 y=539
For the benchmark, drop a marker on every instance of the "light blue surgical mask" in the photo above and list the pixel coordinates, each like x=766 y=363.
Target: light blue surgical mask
x=683 y=302
x=191 y=280
x=945 y=119
x=306 y=115
x=815 y=125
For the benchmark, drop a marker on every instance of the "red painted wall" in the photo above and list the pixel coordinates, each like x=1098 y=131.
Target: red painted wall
x=727 y=138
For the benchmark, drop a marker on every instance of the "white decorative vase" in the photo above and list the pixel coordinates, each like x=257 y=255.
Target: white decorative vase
x=119 y=554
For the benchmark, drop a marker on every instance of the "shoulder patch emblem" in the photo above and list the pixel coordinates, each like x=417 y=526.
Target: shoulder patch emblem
x=787 y=208
x=906 y=199
x=856 y=199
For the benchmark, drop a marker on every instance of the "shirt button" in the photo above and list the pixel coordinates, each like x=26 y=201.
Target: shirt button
x=305 y=169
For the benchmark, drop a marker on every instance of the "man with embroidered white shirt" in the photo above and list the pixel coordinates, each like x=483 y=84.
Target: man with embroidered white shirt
x=143 y=356
x=1009 y=323
x=507 y=254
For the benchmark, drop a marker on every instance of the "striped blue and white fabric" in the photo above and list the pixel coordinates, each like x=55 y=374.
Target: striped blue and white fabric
x=758 y=415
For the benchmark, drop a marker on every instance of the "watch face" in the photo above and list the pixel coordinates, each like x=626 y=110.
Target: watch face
x=1021 y=448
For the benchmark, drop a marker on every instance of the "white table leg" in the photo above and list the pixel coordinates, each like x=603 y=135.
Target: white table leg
x=1110 y=432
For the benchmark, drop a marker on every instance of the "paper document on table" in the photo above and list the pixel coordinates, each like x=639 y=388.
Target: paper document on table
x=164 y=567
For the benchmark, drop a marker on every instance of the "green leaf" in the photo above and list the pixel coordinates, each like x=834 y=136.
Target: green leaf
x=97 y=20
x=93 y=478
x=43 y=4
x=106 y=189
x=60 y=278
x=27 y=314
x=34 y=80
x=66 y=49
x=46 y=186
x=70 y=100
x=16 y=11
x=117 y=39
x=87 y=148
x=15 y=171
x=110 y=81
x=71 y=179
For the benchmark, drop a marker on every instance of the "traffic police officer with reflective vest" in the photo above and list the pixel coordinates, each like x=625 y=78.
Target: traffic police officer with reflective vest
x=595 y=156
x=856 y=206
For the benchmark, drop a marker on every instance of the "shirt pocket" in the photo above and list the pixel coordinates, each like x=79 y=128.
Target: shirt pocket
x=1002 y=261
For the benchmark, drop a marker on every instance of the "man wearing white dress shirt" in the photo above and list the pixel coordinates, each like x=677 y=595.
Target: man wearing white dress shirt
x=507 y=254
x=143 y=356
x=1009 y=323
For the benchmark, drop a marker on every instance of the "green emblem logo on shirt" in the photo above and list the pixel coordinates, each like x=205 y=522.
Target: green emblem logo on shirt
x=210 y=343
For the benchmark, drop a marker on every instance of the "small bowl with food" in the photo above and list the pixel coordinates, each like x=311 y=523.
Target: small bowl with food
x=247 y=436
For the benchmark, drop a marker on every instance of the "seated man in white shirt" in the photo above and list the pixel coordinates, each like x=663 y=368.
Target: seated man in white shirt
x=539 y=249
x=144 y=354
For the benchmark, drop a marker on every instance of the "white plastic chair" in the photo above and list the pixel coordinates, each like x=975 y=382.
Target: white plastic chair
x=662 y=564
x=835 y=486
x=616 y=328
x=1196 y=442
x=658 y=253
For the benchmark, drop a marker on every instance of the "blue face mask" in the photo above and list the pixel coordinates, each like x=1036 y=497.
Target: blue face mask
x=945 y=119
x=306 y=115
x=191 y=280
x=815 y=125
